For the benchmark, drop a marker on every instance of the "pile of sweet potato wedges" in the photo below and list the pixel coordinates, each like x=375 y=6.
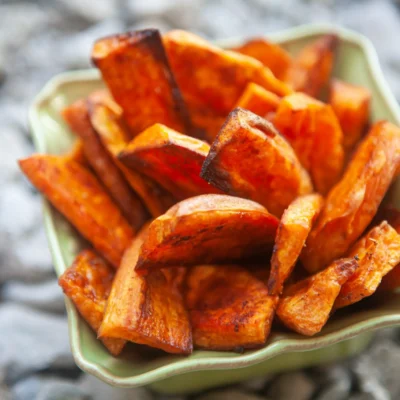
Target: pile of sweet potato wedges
x=221 y=190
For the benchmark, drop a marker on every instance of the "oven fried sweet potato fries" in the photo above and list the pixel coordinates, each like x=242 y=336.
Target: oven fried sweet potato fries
x=219 y=191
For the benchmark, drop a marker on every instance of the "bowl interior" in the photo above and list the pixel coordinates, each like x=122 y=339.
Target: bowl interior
x=356 y=63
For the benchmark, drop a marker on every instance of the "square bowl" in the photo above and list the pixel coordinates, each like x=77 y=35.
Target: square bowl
x=344 y=335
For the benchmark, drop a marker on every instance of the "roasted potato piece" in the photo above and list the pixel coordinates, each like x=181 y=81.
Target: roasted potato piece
x=229 y=308
x=351 y=205
x=136 y=70
x=114 y=137
x=250 y=159
x=206 y=229
x=313 y=130
x=294 y=227
x=378 y=252
x=87 y=282
x=215 y=77
x=351 y=105
x=311 y=69
x=147 y=309
x=77 y=117
x=79 y=196
x=305 y=306
x=171 y=159
x=258 y=100
x=270 y=54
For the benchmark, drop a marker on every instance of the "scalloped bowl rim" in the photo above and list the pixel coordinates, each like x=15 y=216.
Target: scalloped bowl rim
x=208 y=363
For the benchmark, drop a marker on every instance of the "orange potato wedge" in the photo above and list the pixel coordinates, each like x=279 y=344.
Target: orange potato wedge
x=114 y=137
x=378 y=252
x=391 y=281
x=273 y=56
x=77 y=117
x=313 y=130
x=207 y=229
x=214 y=77
x=249 y=158
x=352 y=204
x=87 y=282
x=306 y=305
x=351 y=105
x=229 y=308
x=136 y=70
x=294 y=227
x=79 y=196
x=170 y=158
x=311 y=69
x=258 y=100
x=147 y=309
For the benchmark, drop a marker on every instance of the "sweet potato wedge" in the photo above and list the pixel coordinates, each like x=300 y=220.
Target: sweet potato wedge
x=305 y=306
x=207 y=229
x=378 y=252
x=229 y=308
x=351 y=205
x=313 y=130
x=147 y=309
x=131 y=64
x=391 y=281
x=214 y=77
x=273 y=56
x=258 y=100
x=87 y=282
x=77 y=117
x=79 y=196
x=351 y=105
x=250 y=159
x=114 y=137
x=311 y=69
x=294 y=227
x=170 y=158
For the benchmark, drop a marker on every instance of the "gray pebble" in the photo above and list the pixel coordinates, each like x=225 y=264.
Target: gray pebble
x=32 y=340
x=291 y=386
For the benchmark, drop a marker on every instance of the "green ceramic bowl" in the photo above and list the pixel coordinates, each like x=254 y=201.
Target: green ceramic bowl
x=344 y=335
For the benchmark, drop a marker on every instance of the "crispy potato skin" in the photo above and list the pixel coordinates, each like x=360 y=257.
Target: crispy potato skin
x=294 y=227
x=206 y=229
x=351 y=105
x=311 y=69
x=87 y=282
x=229 y=308
x=147 y=309
x=258 y=100
x=250 y=159
x=78 y=195
x=305 y=306
x=269 y=54
x=115 y=137
x=351 y=205
x=378 y=253
x=130 y=64
x=313 y=130
x=77 y=117
x=215 y=77
x=172 y=159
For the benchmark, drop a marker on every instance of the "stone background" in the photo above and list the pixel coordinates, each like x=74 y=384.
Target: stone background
x=39 y=39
